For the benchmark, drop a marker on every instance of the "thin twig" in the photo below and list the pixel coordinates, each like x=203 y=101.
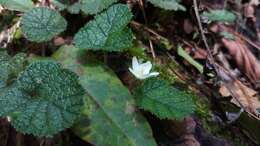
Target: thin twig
x=139 y=25
x=211 y=59
x=217 y=67
x=145 y=20
x=230 y=83
x=180 y=76
x=143 y=11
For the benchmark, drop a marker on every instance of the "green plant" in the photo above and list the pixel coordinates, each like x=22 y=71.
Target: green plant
x=17 y=5
x=95 y=6
x=43 y=100
x=109 y=115
x=42 y=24
x=108 y=31
x=158 y=97
x=168 y=4
x=10 y=67
x=219 y=15
x=43 y=97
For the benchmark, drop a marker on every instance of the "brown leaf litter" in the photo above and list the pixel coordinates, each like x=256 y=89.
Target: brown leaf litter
x=244 y=96
x=244 y=58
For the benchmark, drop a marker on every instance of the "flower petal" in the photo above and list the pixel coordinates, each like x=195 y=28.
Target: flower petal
x=154 y=74
x=142 y=70
x=8 y=119
x=146 y=67
x=136 y=74
x=132 y=71
x=135 y=63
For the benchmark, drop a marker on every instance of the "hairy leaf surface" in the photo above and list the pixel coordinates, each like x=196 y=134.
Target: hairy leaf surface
x=61 y=4
x=73 y=8
x=168 y=4
x=45 y=100
x=108 y=31
x=109 y=116
x=161 y=99
x=10 y=67
x=95 y=6
x=17 y=5
x=42 y=24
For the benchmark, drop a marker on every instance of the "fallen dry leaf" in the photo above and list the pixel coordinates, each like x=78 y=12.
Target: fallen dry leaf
x=200 y=53
x=249 y=11
x=6 y=35
x=59 y=41
x=249 y=8
x=254 y=2
x=188 y=140
x=245 y=97
x=244 y=58
x=188 y=26
x=238 y=49
x=196 y=53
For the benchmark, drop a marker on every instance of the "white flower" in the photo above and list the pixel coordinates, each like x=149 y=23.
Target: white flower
x=142 y=70
x=8 y=119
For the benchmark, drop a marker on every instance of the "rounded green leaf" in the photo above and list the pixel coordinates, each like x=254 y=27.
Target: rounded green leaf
x=72 y=7
x=108 y=31
x=17 y=5
x=42 y=24
x=45 y=100
x=95 y=6
x=161 y=99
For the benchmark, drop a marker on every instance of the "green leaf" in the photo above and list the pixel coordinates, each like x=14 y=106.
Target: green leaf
x=164 y=101
x=109 y=116
x=188 y=58
x=87 y=6
x=4 y=68
x=95 y=6
x=108 y=31
x=168 y=4
x=42 y=24
x=219 y=15
x=10 y=67
x=45 y=100
x=73 y=8
x=60 y=4
x=17 y=5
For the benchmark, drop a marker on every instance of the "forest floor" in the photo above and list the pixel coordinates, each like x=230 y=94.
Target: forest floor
x=217 y=62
